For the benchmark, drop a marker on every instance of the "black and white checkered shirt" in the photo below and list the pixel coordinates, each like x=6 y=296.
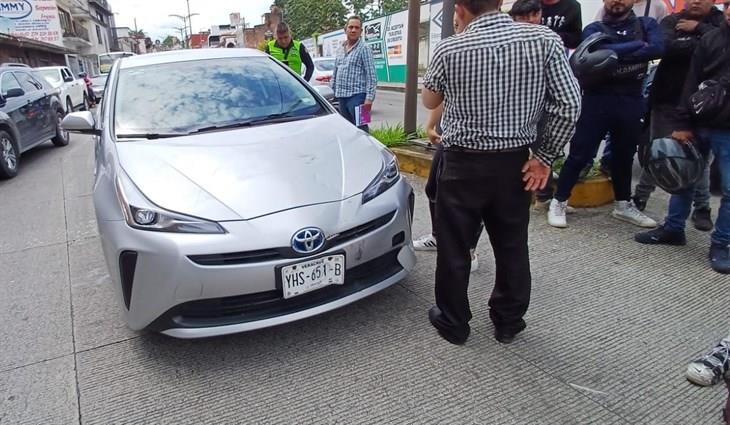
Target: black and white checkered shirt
x=498 y=78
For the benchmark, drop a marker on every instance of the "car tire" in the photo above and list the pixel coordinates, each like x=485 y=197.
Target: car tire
x=61 y=137
x=8 y=156
x=69 y=105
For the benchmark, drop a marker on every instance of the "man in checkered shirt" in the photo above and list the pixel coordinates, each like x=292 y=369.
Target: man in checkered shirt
x=495 y=80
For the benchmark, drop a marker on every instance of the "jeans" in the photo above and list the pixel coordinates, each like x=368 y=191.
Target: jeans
x=680 y=205
x=348 y=105
x=476 y=188
x=432 y=192
x=662 y=126
x=621 y=115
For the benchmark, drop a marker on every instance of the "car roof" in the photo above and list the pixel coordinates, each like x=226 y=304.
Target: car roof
x=187 y=55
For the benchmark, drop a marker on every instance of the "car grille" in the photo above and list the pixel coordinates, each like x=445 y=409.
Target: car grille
x=259 y=256
x=266 y=305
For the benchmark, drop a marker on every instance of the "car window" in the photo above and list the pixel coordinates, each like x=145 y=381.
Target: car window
x=7 y=82
x=51 y=75
x=325 y=65
x=65 y=74
x=27 y=82
x=184 y=96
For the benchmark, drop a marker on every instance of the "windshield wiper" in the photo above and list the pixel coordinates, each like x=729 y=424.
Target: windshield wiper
x=150 y=136
x=269 y=119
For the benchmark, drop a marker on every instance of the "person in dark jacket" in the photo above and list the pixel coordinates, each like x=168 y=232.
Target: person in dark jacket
x=682 y=33
x=711 y=61
x=563 y=17
x=614 y=105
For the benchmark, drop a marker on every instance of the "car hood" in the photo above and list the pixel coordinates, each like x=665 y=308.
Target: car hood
x=247 y=173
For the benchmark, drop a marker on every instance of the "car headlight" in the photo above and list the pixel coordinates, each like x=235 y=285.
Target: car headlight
x=387 y=177
x=142 y=214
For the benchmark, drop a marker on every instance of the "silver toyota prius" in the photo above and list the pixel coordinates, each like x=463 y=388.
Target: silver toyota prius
x=231 y=196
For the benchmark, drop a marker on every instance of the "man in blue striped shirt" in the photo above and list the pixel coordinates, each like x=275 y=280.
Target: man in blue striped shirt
x=354 y=79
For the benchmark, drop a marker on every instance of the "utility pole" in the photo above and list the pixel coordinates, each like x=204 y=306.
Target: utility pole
x=447 y=20
x=411 y=107
x=190 y=21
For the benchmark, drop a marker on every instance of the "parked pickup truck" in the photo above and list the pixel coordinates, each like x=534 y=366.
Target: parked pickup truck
x=72 y=90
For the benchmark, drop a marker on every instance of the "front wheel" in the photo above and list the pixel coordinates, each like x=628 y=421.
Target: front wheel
x=61 y=137
x=8 y=156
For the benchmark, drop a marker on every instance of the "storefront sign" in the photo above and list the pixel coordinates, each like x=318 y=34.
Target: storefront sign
x=34 y=19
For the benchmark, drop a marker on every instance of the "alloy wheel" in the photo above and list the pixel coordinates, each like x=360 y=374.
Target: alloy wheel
x=11 y=160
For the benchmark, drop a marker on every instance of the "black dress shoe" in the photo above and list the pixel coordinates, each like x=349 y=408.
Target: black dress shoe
x=507 y=335
x=702 y=218
x=454 y=336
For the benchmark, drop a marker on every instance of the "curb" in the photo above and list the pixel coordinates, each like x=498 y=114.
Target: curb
x=416 y=159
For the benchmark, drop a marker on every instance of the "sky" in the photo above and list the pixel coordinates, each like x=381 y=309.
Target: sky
x=152 y=15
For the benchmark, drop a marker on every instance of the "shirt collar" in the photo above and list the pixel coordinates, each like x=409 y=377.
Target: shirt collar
x=488 y=19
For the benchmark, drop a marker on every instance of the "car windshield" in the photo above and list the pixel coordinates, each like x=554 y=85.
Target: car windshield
x=99 y=80
x=185 y=97
x=52 y=76
x=325 y=65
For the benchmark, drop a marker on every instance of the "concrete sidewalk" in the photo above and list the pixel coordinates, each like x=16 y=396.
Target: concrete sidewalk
x=611 y=328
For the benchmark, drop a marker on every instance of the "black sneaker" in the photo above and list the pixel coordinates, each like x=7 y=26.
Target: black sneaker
x=639 y=203
x=661 y=236
x=702 y=218
x=720 y=258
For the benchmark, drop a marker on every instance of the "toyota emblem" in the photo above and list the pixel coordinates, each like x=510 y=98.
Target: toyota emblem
x=308 y=241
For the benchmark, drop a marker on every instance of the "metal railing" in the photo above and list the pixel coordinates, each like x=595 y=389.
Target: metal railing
x=79 y=32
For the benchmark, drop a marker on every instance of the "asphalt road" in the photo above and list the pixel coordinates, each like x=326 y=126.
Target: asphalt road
x=389 y=109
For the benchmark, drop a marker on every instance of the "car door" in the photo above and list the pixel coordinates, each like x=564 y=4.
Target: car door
x=40 y=106
x=17 y=108
x=73 y=88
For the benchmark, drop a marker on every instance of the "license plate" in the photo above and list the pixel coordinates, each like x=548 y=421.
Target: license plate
x=308 y=276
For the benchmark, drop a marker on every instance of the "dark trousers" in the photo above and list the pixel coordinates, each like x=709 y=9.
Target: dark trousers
x=621 y=115
x=432 y=190
x=476 y=188
x=348 y=105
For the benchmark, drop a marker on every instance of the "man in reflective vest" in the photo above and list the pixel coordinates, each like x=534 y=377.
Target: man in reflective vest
x=290 y=52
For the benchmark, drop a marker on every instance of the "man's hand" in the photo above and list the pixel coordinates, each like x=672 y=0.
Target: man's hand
x=685 y=137
x=686 y=25
x=368 y=105
x=536 y=175
x=433 y=136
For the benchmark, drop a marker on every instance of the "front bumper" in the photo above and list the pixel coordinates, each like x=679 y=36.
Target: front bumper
x=192 y=286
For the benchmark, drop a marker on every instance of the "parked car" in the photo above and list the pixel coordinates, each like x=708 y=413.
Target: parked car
x=30 y=114
x=231 y=196
x=324 y=68
x=98 y=83
x=72 y=91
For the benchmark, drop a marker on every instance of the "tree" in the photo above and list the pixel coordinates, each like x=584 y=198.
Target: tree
x=391 y=6
x=137 y=34
x=170 y=41
x=306 y=17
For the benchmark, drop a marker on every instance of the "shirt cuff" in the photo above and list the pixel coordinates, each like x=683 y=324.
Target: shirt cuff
x=544 y=158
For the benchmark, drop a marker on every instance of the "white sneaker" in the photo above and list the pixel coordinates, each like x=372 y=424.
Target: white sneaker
x=425 y=243
x=627 y=211
x=544 y=206
x=709 y=369
x=474 y=262
x=556 y=214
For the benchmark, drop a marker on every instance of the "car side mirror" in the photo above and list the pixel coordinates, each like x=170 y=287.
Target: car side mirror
x=80 y=122
x=14 y=92
x=326 y=92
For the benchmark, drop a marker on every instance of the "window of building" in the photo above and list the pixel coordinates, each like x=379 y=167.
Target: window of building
x=98 y=35
x=65 y=20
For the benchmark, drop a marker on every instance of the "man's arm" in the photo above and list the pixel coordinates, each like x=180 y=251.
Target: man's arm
x=571 y=35
x=621 y=49
x=562 y=105
x=676 y=45
x=434 y=82
x=334 y=75
x=654 y=46
x=683 y=116
x=370 y=76
x=307 y=61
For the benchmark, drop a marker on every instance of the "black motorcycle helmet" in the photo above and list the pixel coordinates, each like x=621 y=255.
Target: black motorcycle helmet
x=675 y=166
x=591 y=65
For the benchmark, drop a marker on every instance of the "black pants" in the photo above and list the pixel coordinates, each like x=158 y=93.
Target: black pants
x=432 y=190
x=476 y=188
x=620 y=115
